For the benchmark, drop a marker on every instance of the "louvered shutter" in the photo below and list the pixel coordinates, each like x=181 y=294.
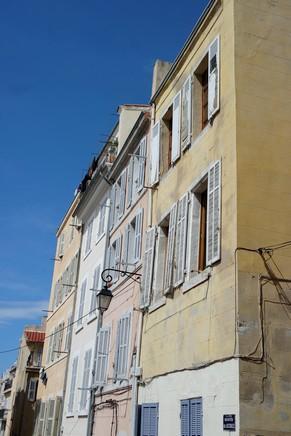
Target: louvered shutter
x=86 y=380
x=141 y=163
x=170 y=251
x=155 y=154
x=213 y=214
x=117 y=257
x=196 y=418
x=112 y=207
x=101 y=224
x=69 y=332
x=159 y=265
x=41 y=419
x=148 y=264
x=61 y=245
x=50 y=417
x=125 y=246
x=49 y=350
x=59 y=339
x=122 y=193
x=89 y=236
x=176 y=143
x=54 y=344
x=76 y=264
x=213 y=78
x=73 y=384
x=194 y=235
x=57 y=416
x=138 y=235
x=180 y=245
x=94 y=290
x=186 y=114
x=129 y=182
x=102 y=355
x=122 y=347
x=149 y=419
x=82 y=303
x=185 y=418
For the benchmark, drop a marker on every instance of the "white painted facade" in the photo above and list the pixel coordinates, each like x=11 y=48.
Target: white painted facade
x=217 y=385
x=75 y=414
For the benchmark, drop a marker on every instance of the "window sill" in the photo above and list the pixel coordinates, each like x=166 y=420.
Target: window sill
x=161 y=302
x=79 y=328
x=196 y=280
x=92 y=318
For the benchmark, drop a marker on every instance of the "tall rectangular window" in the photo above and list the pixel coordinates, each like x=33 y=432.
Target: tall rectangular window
x=89 y=236
x=94 y=290
x=82 y=303
x=86 y=380
x=102 y=355
x=72 y=390
x=122 y=347
x=149 y=419
x=191 y=417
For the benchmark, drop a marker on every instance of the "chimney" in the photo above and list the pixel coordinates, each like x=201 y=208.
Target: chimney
x=161 y=68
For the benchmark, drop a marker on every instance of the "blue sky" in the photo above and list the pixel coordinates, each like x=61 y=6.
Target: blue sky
x=65 y=67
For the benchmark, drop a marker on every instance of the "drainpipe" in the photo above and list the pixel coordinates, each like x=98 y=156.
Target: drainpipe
x=136 y=370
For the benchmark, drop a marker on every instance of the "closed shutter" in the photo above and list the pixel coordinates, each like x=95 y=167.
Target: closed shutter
x=54 y=345
x=112 y=207
x=59 y=339
x=76 y=264
x=181 y=237
x=89 y=236
x=49 y=350
x=138 y=235
x=148 y=264
x=159 y=265
x=125 y=246
x=73 y=384
x=122 y=346
x=57 y=416
x=194 y=235
x=50 y=417
x=185 y=418
x=155 y=154
x=196 y=428
x=86 y=380
x=149 y=419
x=82 y=303
x=213 y=214
x=61 y=245
x=170 y=250
x=69 y=332
x=101 y=225
x=176 y=144
x=41 y=419
x=186 y=114
x=102 y=355
x=141 y=163
x=117 y=257
x=213 y=78
x=129 y=182
x=95 y=284
x=122 y=193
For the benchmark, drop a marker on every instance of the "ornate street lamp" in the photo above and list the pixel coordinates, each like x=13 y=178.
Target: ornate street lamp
x=104 y=297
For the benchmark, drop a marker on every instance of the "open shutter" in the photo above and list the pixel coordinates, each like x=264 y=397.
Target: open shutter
x=193 y=239
x=117 y=257
x=149 y=419
x=159 y=265
x=196 y=427
x=181 y=235
x=186 y=114
x=129 y=182
x=141 y=163
x=213 y=214
x=49 y=350
x=69 y=332
x=125 y=246
x=170 y=251
x=81 y=303
x=138 y=235
x=148 y=263
x=185 y=418
x=57 y=417
x=50 y=417
x=41 y=419
x=94 y=290
x=155 y=154
x=122 y=346
x=112 y=207
x=76 y=264
x=213 y=78
x=102 y=355
x=122 y=194
x=176 y=144
x=73 y=384
x=86 y=380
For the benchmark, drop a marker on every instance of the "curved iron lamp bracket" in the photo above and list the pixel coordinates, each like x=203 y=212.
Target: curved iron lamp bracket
x=107 y=277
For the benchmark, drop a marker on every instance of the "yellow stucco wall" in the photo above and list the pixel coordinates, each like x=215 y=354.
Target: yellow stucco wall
x=198 y=326
x=263 y=107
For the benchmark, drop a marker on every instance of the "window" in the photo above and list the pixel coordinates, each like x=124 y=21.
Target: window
x=57 y=340
x=66 y=282
x=191 y=417
x=155 y=155
x=102 y=355
x=73 y=384
x=148 y=263
x=86 y=380
x=82 y=303
x=38 y=357
x=95 y=288
x=115 y=257
x=89 y=236
x=69 y=332
x=61 y=245
x=101 y=223
x=122 y=345
x=73 y=224
x=186 y=113
x=149 y=419
x=49 y=421
x=132 y=241
x=41 y=419
x=32 y=388
x=166 y=140
x=136 y=172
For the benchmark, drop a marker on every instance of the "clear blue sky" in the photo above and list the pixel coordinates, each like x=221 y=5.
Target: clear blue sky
x=65 y=67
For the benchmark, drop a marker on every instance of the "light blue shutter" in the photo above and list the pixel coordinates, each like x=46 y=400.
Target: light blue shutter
x=149 y=419
x=185 y=418
x=196 y=428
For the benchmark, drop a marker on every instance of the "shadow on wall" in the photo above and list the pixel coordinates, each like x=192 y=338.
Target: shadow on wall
x=23 y=415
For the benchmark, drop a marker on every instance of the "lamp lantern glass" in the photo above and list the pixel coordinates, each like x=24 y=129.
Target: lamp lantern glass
x=104 y=297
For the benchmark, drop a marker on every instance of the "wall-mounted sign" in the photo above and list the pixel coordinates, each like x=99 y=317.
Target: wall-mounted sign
x=229 y=422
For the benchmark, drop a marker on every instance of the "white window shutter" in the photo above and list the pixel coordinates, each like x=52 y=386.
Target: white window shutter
x=57 y=416
x=170 y=251
x=176 y=143
x=155 y=154
x=112 y=207
x=41 y=422
x=86 y=380
x=213 y=78
x=117 y=257
x=122 y=346
x=82 y=303
x=181 y=238
x=186 y=114
x=50 y=417
x=129 y=182
x=73 y=384
x=159 y=265
x=213 y=214
x=122 y=193
x=141 y=163
x=102 y=355
x=94 y=290
x=148 y=264
x=194 y=236
x=138 y=235
x=75 y=268
x=49 y=350
x=125 y=246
